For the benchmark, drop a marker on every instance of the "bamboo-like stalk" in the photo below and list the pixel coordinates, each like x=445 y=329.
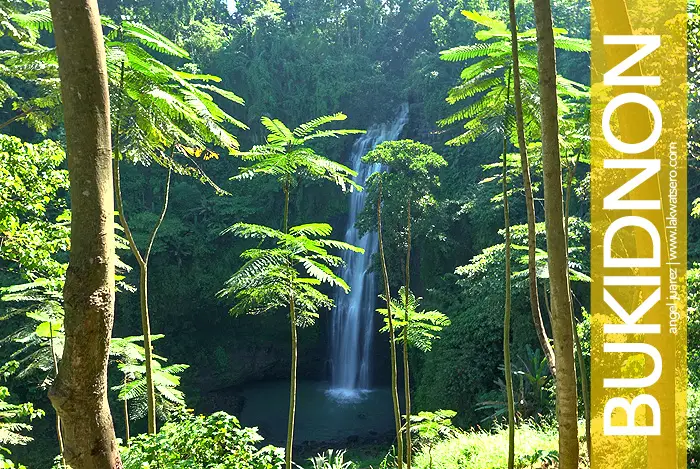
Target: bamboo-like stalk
x=535 y=310
x=392 y=337
x=295 y=346
x=59 y=432
x=582 y=369
x=142 y=261
x=506 y=316
x=406 y=373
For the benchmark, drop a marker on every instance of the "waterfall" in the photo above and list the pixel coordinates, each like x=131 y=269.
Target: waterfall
x=352 y=324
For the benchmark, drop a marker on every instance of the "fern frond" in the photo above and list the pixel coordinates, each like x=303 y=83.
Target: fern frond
x=308 y=127
x=152 y=39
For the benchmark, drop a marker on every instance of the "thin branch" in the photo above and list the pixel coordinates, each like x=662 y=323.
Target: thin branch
x=162 y=214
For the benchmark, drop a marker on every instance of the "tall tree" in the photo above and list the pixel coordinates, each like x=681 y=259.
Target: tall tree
x=390 y=326
x=529 y=199
x=79 y=392
x=410 y=182
x=270 y=279
x=166 y=116
x=288 y=156
x=562 y=325
x=508 y=368
x=506 y=61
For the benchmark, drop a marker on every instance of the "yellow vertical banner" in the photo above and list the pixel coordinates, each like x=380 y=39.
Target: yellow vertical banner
x=638 y=239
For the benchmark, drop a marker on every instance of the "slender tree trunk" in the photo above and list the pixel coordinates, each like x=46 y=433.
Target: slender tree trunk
x=142 y=261
x=126 y=420
x=59 y=432
x=567 y=401
x=79 y=392
x=406 y=373
x=582 y=369
x=292 y=389
x=148 y=349
x=506 y=317
x=295 y=346
x=392 y=337
x=529 y=199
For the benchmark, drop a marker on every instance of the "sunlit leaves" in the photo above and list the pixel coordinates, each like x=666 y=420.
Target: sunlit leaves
x=487 y=85
x=423 y=326
x=33 y=227
x=286 y=157
x=291 y=271
x=130 y=357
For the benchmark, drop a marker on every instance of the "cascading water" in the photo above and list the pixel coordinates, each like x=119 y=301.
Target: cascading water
x=352 y=326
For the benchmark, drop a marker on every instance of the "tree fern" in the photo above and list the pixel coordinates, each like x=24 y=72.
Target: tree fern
x=130 y=358
x=286 y=156
x=14 y=418
x=423 y=326
x=292 y=269
x=485 y=85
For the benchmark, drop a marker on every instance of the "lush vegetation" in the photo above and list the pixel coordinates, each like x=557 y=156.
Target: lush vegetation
x=230 y=125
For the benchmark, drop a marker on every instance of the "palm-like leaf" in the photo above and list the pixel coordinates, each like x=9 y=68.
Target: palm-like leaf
x=486 y=84
x=285 y=155
x=423 y=326
x=130 y=358
x=291 y=270
x=155 y=107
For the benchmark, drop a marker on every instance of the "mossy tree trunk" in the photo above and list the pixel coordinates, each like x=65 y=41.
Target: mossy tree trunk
x=79 y=392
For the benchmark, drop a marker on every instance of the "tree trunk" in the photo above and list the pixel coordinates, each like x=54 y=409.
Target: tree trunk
x=142 y=261
x=143 y=288
x=59 y=432
x=582 y=369
x=392 y=337
x=295 y=346
x=148 y=349
x=506 y=317
x=292 y=389
x=529 y=200
x=406 y=373
x=567 y=401
x=127 y=427
x=79 y=392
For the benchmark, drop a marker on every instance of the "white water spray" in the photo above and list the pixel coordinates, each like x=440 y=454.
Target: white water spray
x=352 y=324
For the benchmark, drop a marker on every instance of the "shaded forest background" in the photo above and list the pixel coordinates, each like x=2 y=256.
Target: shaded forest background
x=296 y=59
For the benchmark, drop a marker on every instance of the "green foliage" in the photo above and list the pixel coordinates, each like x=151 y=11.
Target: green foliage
x=286 y=155
x=423 y=326
x=410 y=175
x=292 y=270
x=163 y=114
x=431 y=428
x=693 y=426
x=130 y=358
x=533 y=390
x=489 y=450
x=331 y=459
x=486 y=83
x=34 y=221
x=38 y=340
x=216 y=441
x=13 y=418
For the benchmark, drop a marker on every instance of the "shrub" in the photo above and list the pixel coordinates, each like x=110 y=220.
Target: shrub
x=534 y=445
x=693 y=427
x=216 y=441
